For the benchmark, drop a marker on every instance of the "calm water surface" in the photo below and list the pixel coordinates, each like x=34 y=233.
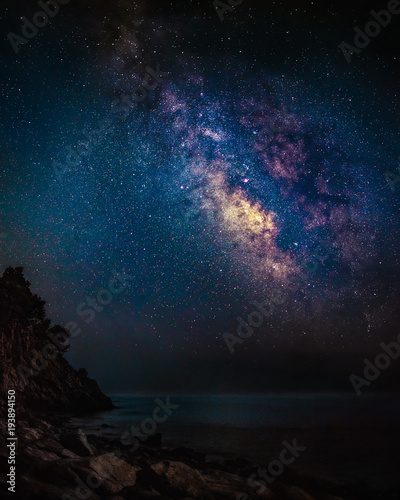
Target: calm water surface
x=347 y=438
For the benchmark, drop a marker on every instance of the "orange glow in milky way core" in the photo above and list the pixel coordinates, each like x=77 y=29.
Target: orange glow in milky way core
x=252 y=229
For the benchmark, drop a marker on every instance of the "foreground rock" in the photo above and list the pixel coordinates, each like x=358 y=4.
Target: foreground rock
x=107 y=474
x=55 y=463
x=76 y=442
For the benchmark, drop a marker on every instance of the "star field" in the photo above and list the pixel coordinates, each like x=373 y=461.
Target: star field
x=257 y=145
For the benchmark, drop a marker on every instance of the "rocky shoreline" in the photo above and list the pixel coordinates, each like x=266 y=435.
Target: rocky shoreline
x=54 y=462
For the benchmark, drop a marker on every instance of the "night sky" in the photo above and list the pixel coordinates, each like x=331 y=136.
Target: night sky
x=255 y=143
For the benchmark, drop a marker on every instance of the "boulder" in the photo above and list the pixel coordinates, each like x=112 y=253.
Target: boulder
x=177 y=480
x=39 y=455
x=228 y=485
x=76 y=442
x=29 y=433
x=69 y=454
x=109 y=473
x=49 y=444
x=44 y=426
x=55 y=472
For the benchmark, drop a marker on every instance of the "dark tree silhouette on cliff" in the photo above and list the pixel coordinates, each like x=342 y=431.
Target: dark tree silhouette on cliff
x=19 y=306
x=31 y=354
x=18 y=303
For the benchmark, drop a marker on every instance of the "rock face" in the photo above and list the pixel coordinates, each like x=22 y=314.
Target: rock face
x=31 y=354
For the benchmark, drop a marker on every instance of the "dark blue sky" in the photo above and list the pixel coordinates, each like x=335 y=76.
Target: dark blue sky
x=254 y=143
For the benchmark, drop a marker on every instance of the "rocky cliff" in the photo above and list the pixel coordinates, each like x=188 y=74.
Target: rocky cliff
x=32 y=355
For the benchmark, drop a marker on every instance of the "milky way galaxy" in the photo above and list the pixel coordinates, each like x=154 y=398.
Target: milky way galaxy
x=255 y=158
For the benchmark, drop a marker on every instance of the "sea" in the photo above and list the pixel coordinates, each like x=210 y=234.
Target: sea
x=347 y=439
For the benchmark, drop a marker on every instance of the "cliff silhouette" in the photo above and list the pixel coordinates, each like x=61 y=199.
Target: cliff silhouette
x=32 y=355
